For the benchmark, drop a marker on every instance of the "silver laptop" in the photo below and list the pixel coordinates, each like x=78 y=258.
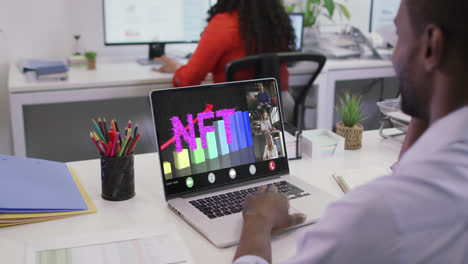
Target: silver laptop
x=219 y=142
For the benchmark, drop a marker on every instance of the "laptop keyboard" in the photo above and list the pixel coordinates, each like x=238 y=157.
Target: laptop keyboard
x=232 y=202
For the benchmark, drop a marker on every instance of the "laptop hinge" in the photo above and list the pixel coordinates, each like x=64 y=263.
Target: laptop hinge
x=226 y=187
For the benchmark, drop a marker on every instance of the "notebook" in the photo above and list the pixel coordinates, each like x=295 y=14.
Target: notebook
x=350 y=179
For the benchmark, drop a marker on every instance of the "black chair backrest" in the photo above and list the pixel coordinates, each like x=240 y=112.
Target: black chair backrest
x=268 y=65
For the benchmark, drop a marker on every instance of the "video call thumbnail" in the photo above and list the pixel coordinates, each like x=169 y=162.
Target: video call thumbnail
x=218 y=129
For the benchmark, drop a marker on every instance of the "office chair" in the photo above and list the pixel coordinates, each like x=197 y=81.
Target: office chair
x=268 y=65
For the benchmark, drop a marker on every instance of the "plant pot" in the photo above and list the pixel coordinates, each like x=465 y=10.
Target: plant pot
x=92 y=64
x=352 y=135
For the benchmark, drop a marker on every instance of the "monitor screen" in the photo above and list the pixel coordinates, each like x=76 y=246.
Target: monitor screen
x=297 y=22
x=383 y=12
x=154 y=21
x=219 y=134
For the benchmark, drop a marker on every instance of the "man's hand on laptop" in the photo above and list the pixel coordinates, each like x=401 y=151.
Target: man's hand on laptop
x=264 y=213
x=272 y=208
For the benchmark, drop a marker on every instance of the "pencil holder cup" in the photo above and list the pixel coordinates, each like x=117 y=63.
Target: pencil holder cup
x=117 y=178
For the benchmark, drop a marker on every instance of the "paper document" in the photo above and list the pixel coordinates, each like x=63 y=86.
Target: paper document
x=155 y=248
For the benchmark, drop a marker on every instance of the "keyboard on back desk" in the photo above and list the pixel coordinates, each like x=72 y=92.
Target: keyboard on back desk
x=232 y=202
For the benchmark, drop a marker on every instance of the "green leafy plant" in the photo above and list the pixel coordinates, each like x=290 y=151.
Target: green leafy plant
x=351 y=109
x=313 y=9
x=90 y=54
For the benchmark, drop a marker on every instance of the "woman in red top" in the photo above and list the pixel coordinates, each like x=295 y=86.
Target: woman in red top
x=236 y=28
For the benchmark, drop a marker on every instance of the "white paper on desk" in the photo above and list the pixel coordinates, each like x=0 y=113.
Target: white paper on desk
x=361 y=176
x=126 y=246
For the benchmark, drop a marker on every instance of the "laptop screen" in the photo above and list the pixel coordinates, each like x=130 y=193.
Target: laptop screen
x=214 y=135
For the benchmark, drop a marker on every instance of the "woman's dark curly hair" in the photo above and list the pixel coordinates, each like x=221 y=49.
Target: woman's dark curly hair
x=264 y=24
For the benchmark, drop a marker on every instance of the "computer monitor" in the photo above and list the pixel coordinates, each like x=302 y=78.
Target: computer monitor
x=297 y=22
x=154 y=23
x=383 y=12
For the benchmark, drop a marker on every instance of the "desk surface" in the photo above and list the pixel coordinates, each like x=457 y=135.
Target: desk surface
x=110 y=72
x=148 y=207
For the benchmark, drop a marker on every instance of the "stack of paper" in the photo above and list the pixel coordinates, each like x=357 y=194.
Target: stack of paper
x=33 y=190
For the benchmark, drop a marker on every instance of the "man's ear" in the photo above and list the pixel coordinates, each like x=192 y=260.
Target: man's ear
x=433 y=45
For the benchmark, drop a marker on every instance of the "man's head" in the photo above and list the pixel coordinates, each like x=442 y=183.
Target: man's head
x=432 y=44
x=260 y=87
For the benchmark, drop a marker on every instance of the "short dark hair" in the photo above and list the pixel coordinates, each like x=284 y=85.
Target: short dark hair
x=450 y=15
x=264 y=24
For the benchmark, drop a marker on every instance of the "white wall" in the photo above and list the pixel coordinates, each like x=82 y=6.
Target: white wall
x=30 y=29
x=45 y=29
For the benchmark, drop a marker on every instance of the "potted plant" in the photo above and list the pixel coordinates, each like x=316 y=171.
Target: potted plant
x=351 y=116
x=312 y=10
x=91 y=57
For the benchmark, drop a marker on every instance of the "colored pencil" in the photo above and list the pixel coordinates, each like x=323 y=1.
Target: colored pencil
x=112 y=135
x=101 y=127
x=344 y=182
x=103 y=146
x=106 y=134
x=127 y=146
x=129 y=127
x=123 y=146
x=135 y=130
x=116 y=136
x=109 y=148
x=98 y=130
x=95 y=135
x=130 y=150
x=117 y=129
x=95 y=143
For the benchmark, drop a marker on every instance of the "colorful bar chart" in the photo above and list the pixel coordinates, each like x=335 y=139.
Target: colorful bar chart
x=223 y=147
x=218 y=154
x=197 y=159
x=241 y=138
x=167 y=170
x=182 y=163
x=234 y=146
x=211 y=152
x=248 y=136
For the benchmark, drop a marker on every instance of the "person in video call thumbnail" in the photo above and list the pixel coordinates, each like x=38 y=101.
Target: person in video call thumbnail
x=270 y=148
x=265 y=123
x=263 y=98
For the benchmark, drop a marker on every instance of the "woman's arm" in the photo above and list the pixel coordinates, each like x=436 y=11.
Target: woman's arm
x=211 y=47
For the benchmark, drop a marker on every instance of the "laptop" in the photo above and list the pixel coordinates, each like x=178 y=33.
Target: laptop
x=219 y=142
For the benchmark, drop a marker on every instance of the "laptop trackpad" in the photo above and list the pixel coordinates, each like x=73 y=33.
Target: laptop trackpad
x=293 y=210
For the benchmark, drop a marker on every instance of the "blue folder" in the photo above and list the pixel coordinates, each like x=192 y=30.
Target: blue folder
x=37 y=186
x=42 y=67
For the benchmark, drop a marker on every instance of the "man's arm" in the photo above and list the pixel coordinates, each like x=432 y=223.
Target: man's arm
x=416 y=128
x=258 y=245
x=360 y=228
x=264 y=214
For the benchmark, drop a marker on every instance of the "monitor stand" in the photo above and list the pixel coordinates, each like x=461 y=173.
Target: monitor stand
x=156 y=50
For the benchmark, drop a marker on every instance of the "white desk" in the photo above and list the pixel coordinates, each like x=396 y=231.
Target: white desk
x=148 y=207
x=128 y=79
